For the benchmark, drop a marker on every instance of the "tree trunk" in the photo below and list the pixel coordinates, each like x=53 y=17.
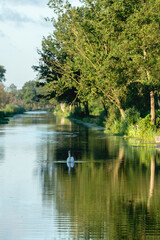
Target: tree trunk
x=86 y=108
x=105 y=109
x=122 y=112
x=119 y=161
x=63 y=106
x=152 y=102
x=152 y=177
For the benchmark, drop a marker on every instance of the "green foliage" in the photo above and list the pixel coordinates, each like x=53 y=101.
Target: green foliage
x=145 y=123
x=81 y=56
x=101 y=120
x=132 y=115
x=147 y=134
x=3 y=96
x=144 y=128
x=77 y=112
x=2 y=73
x=96 y=108
x=1 y=114
x=11 y=109
x=104 y=51
x=29 y=93
x=113 y=118
x=157 y=118
x=65 y=112
x=117 y=125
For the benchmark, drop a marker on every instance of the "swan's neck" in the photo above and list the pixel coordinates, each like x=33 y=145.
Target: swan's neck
x=69 y=154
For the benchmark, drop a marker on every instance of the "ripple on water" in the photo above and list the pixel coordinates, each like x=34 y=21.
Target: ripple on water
x=112 y=192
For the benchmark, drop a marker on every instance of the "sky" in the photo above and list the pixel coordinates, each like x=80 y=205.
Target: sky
x=22 y=27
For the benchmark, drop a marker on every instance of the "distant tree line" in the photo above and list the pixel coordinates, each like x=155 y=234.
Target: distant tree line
x=103 y=51
x=27 y=97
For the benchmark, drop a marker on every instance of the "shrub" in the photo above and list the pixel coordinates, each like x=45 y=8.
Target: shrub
x=58 y=110
x=102 y=118
x=157 y=118
x=77 y=112
x=144 y=129
x=11 y=109
x=132 y=115
x=133 y=125
x=118 y=125
x=112 y=118
x=1 y=114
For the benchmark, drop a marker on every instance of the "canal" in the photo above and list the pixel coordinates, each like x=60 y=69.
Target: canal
x=111 y=191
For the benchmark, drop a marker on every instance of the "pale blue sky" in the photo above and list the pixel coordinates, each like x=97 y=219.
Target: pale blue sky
x=22 y=27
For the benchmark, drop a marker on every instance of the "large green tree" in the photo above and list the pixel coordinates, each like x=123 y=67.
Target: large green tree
x=101 y=48
x=141 y=44
x=84 y=43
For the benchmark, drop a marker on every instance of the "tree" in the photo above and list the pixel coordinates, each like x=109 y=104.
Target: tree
x=142 y=45
x=12 y=88
x=89 y=36
x=81 y=51
x=3 y=96
x=2 y=73
x=29 y=93
x=99 y=50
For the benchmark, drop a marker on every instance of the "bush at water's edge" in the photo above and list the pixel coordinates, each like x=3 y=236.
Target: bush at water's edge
x=9 y=111
x=2 y=117
x=134 y=125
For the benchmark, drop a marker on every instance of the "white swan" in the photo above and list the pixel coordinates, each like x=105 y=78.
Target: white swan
x=70 y=162
x=70 y=159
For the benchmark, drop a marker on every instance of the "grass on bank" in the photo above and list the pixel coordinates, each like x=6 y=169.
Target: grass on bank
x=134 y=125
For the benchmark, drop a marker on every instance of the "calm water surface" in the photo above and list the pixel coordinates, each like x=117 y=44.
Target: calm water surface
x=111 y=192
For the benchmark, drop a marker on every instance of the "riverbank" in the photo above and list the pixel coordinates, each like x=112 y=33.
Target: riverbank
x=142 y=129
x=86 y=123
x=132 y=126
x=9 y=111
x=3 y=119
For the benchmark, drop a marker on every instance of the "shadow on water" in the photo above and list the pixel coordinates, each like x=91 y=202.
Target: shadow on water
x=112 y=192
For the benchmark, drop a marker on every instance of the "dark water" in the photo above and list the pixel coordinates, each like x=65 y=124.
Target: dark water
x=111 y=192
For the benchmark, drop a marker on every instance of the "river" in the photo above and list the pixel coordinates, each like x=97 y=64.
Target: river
x=111 y=191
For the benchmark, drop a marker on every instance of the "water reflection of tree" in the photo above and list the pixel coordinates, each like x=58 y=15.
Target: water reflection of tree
x=2 y=145
x=152 y=179
x=84 y=144
x=110 y=199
